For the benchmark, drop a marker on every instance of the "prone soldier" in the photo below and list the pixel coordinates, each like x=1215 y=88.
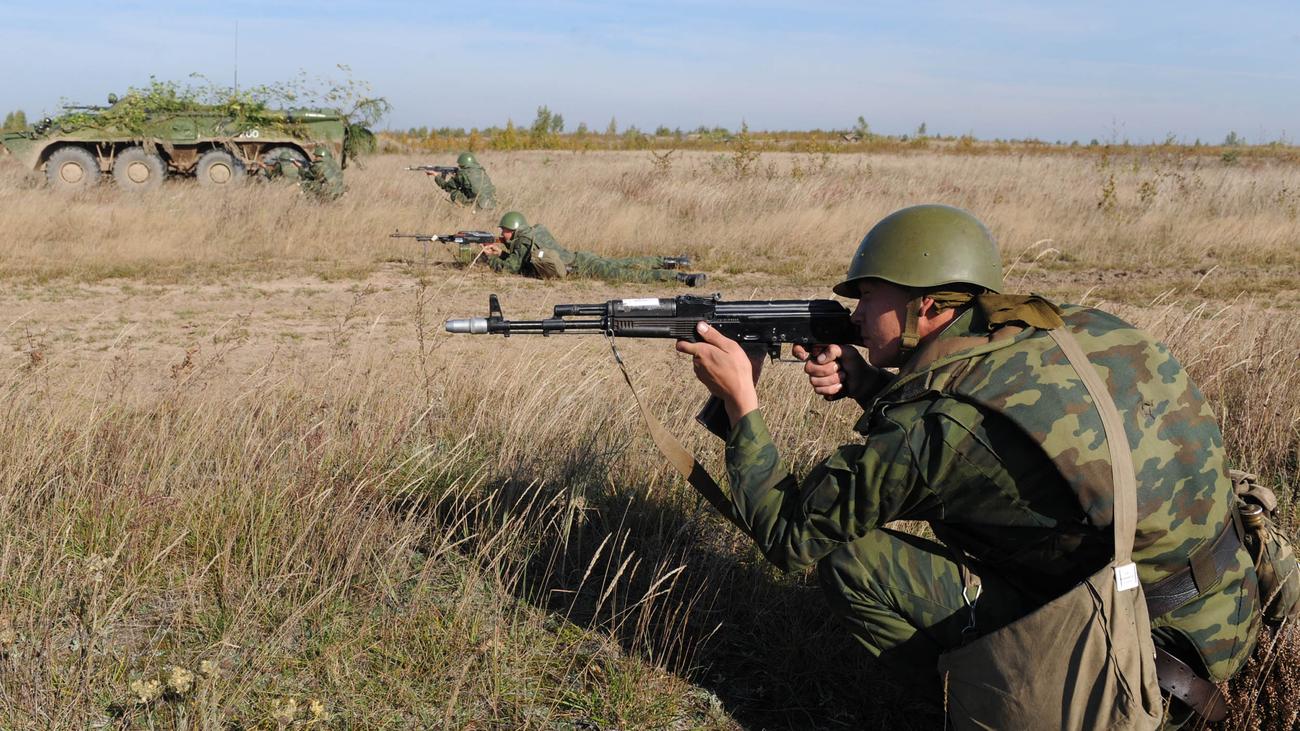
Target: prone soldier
x=532 y=251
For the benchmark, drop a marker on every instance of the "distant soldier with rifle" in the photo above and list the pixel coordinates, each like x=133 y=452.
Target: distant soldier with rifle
x=284 y=166
x=532 y=251
x=467 y=183
x=1091 y=537
x=323 y=178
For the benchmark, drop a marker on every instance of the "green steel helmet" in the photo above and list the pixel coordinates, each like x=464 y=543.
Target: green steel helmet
x=321 y=152
x=923 y=247
x=513 y=220
x=467 y=160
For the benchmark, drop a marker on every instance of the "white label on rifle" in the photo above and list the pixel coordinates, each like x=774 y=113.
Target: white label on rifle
x=643 y=302
x=1126 y=577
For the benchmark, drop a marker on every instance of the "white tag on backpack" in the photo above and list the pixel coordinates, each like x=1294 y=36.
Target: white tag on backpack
x=1126 y=577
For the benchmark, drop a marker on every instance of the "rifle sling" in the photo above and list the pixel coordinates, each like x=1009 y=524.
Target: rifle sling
x=680 y=459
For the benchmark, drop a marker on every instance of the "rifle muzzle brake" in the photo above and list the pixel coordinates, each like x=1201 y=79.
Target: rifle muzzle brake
x=473 y=326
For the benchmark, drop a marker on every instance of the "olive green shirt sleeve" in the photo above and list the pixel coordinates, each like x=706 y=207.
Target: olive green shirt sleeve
x=897 y=473
x=513 y=260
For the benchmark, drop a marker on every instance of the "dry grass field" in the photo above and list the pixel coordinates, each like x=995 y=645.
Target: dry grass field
x=246 y=481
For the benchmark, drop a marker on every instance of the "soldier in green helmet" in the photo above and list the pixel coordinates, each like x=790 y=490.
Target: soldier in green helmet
x=470 y=185
x=987 y=432
x=284 y=166
x=533 y=251
x=323 y=178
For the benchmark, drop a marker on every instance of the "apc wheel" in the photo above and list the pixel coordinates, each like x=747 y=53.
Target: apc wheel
x=136 y=169
x=72 y=169
x=219 y=169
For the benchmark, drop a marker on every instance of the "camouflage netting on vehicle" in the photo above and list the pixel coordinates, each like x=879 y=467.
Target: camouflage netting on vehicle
x=254 y=107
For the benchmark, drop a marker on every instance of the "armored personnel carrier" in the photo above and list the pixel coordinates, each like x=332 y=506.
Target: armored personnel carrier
x=139 y=146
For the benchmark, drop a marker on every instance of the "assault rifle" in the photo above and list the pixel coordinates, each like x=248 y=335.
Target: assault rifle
x=757 y=325
x=463 y=238
x=432 y=169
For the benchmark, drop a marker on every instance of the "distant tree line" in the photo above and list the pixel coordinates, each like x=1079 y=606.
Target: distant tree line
x=548 y=131
x=14 y=122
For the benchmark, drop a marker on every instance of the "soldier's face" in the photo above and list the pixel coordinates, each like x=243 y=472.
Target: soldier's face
x=881 y=315
x=506 y=234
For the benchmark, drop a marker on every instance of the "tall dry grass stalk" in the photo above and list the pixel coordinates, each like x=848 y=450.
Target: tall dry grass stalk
x=246 y=481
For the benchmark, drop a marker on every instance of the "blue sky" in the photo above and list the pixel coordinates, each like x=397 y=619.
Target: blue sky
x=1007 y=68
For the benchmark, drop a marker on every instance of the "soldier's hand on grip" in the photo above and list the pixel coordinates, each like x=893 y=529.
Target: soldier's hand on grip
x=835 y=372
x=724 y=367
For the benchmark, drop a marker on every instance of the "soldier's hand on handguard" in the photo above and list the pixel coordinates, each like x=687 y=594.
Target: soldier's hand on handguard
x=835 y=372
x=492 y=250
x=724 y=368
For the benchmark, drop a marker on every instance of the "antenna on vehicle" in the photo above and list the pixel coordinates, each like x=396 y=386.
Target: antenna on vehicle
x=236 y=57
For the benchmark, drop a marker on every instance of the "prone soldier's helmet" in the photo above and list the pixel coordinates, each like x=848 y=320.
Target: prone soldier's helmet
x=513 y=220
x=321 y=152
x=926 y=247
x=467 y=160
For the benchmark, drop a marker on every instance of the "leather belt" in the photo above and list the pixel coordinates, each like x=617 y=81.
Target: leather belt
x=1179 y=680
x=1206 y=566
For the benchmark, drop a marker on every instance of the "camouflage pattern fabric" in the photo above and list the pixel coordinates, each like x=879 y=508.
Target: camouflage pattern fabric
x=993 y=440
x=629 y=269
x=901 y=597
x=284 y=169
x=535 y=252
x=323 y=179
x=280 y=170
x=470 y=185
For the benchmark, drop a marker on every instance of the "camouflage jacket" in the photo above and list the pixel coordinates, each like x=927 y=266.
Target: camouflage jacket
x=324 y=179
x=993 y=440
x=526 y=242
x=471 y=182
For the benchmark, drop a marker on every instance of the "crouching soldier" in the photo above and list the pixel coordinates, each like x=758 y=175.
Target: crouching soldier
x=1090 y=538
x=470 y=185
x=283 y=166
x=323 y=178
